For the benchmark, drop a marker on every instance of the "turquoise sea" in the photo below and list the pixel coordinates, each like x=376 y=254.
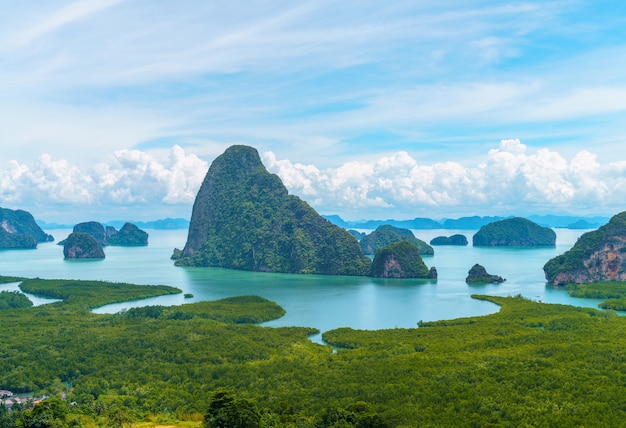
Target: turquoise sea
x=323 y=302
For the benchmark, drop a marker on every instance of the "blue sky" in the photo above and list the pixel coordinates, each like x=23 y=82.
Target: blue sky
x=114 y=109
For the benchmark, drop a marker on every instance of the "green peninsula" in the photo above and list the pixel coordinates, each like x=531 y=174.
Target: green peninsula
x=243 y=218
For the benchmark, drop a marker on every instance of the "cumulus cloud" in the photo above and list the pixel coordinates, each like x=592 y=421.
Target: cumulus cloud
x=511 y=178
x=130 y=177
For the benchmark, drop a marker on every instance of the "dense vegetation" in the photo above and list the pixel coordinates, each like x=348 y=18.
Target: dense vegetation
x=531 y=364
x=613 y=291
x=517 y=231
x=244 y=219
x=576 y=264
x=399 y=260
x=128 y=235
x=387 y=234
x=14 y=299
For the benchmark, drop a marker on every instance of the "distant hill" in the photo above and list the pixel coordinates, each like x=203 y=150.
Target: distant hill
x=514 y=232
x=387 y=234
x=470 y=223
x=162 y=224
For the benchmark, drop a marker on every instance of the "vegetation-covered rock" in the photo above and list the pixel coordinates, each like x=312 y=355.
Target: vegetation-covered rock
x=18 y=229
x=387 y=234
x=129 y=235
x=478 y=275
x=399 y=260
x=81 y=245
x=514 y=232
x=599 y=255
x=95 y=229
x=457 y=239
x=243 y=218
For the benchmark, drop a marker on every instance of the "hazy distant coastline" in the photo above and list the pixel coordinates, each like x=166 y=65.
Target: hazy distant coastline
x=419 y=223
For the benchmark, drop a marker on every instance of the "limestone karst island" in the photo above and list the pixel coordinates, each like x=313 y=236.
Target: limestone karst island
x=243 y=218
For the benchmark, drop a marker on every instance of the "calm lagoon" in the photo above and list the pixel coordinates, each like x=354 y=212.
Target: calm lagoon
x=323 y=302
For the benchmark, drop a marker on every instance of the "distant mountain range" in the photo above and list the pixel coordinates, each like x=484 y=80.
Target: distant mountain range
x=419 y=223
x=475 y=222
x=162 y=224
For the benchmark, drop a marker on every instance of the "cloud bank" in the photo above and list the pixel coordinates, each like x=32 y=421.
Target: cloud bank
x=509 y=179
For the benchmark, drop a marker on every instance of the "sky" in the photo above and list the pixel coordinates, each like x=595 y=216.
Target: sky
x=114 y=109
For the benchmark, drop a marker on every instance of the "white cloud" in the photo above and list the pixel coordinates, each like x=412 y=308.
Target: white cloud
x=130 y=177
x=509 y=179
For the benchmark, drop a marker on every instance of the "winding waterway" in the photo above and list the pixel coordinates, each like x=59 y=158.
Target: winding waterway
x=323 y=302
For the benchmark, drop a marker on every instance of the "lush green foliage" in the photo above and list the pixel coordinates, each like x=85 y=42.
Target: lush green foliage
x=399 y=260
x=244 y=219
x=613 y=291
x=92 y=294
x=515 y=231
x=573 y=260
x=530 y=364
x=456 y=239
x=14 y=299
x=387 y=234
x=16 y=240
x=129 y=235
x=81 y=245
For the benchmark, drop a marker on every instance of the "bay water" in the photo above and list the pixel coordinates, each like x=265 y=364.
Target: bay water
x=320 y=301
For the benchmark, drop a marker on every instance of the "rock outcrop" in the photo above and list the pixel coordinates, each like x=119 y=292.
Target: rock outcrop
x=82 y=245
x=400 y=260
x=599 y=255
x=243 y=218
x=18 y=229
x=387 y=234
x=95 y=229
x=128 y=236
x=514 y=232
x=457 y=239
x=478 y=275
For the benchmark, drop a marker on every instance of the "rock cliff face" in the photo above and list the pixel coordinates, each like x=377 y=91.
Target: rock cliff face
x=18 y=229
x=478 y=275
x=243 y=218
x=514 y=232
x=400 y=260
x=599 y=255
x=81 y=245
x=387 y=234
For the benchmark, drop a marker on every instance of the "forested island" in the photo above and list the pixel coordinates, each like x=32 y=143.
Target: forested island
x=191 y=365
x=243 y=218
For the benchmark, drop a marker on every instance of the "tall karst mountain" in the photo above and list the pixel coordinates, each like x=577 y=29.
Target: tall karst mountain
x=243 y=218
